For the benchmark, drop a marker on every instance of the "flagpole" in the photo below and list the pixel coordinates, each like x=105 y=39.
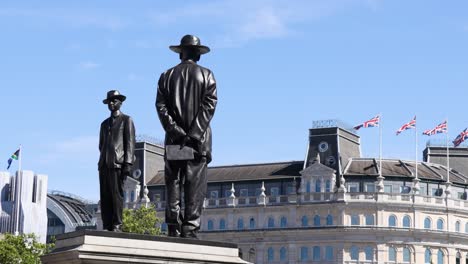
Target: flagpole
x=18 y=188
x=380 y=144
x=416 y=146
x=448 y=156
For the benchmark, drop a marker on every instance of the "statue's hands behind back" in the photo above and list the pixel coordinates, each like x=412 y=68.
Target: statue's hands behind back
x=126 y=171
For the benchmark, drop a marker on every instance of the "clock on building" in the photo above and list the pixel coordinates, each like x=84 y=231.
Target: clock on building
x=323 y=146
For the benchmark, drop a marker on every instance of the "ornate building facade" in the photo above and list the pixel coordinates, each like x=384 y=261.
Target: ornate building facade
x=337 y=207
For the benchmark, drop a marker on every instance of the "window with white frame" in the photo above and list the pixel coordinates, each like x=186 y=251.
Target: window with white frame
x=392 y=254
x=388 y=188
x=328 y=253
x=354 y=253
x=214 y=195
x=369 y=252
x=355 y=220
x=353 y=187
x=274 y=191
x=406 y=221
x=370 y=187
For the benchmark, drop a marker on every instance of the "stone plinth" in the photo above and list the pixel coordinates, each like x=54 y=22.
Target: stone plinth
x=99 y=247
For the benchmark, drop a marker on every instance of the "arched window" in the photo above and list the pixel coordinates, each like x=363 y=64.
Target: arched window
x=369 y=219
x=427 y=223
x=427 y=256
x=458 y=258
x=392 y=221
x=318 y=186
x=369 y=251
x=440 y=224
x=327 y=186
x=457 y=226
x=132 y=196
x=391 y=254
x=283 y=254
x=406 y=221
x=252 y=223
x=305 y=221
x=284 y=221
x=354 y=252
x=210 y=225
x=222 y=224
x=440 y=257
x=329 y=253
x=329 y=220
x=317 y=220
x=271 y=255
x=316 y=253
x=355 y=220
x=406 y=255
x=240 y=223
x=271 y=222
x=304 y=254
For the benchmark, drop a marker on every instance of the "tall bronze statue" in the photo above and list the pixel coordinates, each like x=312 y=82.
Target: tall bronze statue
x=117 y=147
x=185 y=102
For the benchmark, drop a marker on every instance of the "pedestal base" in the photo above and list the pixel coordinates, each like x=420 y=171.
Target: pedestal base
x=99 y=247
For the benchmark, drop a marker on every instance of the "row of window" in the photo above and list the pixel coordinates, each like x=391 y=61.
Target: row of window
x=316 y=254
x=327 y=253
x=317 y=221
x=318 y=186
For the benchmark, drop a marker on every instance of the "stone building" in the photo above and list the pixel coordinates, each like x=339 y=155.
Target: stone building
x=336 y=206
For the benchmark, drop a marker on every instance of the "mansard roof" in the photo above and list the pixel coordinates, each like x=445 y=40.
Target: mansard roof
x=400 y=168
x=247 y=172
x=356 y=167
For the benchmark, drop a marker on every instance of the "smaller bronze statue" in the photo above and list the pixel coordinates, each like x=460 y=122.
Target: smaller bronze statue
x=186 y=101
x=117 y=147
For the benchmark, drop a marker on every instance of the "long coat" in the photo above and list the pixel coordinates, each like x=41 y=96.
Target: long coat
x=186 y=102
x=117 y=142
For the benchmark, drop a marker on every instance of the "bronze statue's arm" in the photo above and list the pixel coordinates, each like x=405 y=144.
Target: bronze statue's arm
x=206 y=111
x=168 y=123
x=101 y=138
x=129 y=141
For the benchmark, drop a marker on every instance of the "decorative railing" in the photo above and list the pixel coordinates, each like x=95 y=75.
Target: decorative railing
x=308 y=198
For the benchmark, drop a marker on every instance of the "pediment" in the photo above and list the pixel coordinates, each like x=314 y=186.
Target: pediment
x=316 y=170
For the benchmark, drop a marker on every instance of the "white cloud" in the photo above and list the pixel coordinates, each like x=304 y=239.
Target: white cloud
x=237 y=22
x=88 y=65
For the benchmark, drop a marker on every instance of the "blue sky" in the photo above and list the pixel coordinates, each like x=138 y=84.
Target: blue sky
x=279 y=66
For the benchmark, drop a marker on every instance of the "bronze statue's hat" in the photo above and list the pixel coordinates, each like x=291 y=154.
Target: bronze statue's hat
x=114 y=94
x=192 y=42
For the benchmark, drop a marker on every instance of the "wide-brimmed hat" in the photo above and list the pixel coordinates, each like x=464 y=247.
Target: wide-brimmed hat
x=114 y=94
x=190 y=42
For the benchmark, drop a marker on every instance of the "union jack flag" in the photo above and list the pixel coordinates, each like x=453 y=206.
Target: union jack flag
x=374 y=122
x=461 y=137
x=411 y=124
x=440 y=128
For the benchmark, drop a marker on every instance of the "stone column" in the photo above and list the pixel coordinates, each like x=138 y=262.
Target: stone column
x=292 y=253
x=381 y=255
